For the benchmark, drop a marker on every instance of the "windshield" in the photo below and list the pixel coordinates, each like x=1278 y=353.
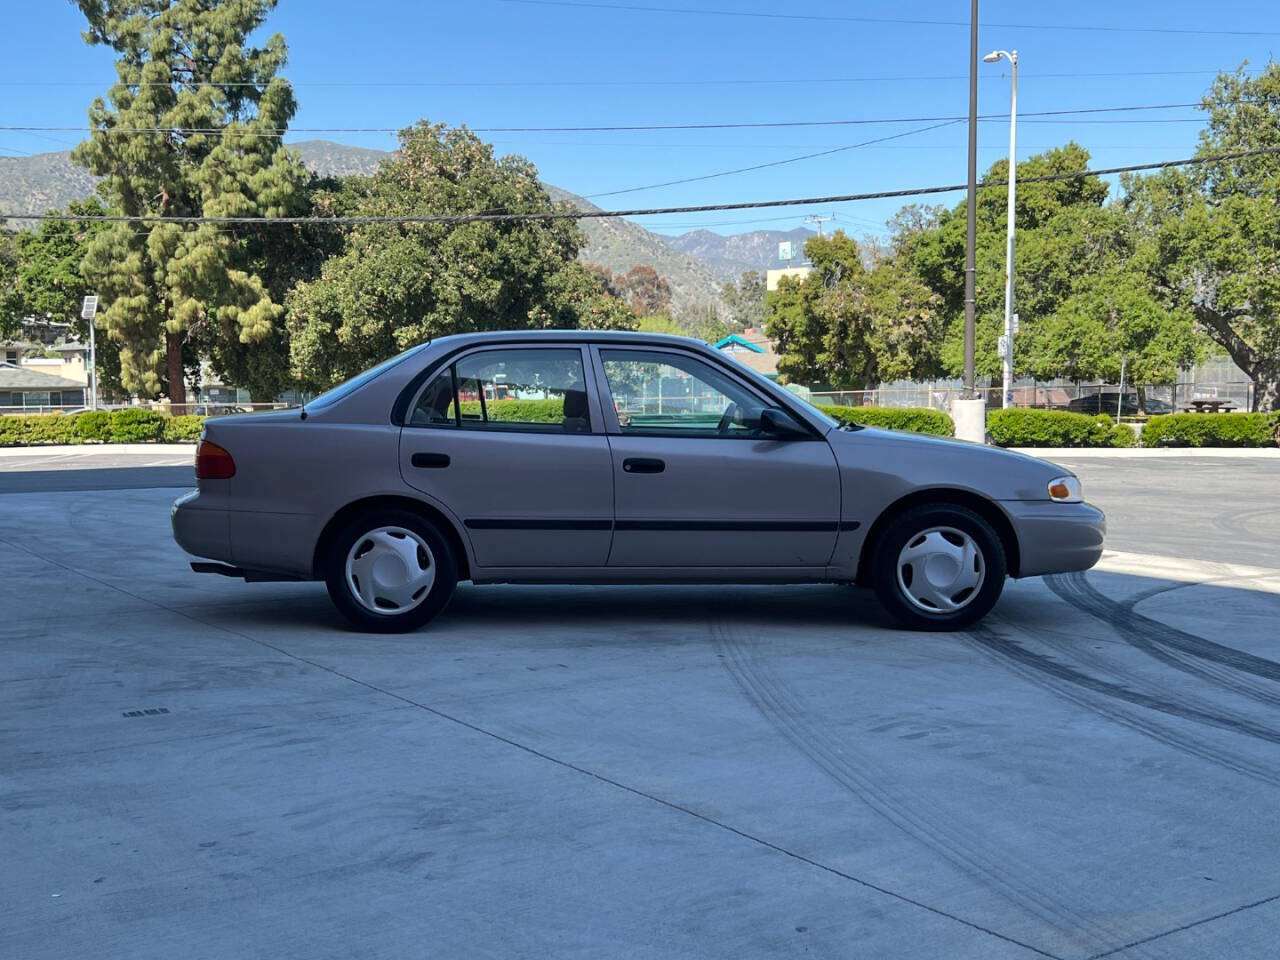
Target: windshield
x=355 y=383
x=757 y=375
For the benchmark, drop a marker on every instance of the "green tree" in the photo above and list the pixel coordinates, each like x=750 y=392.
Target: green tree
x=184 y=67
x=394 y=285
x=851 y=325
x=11 y=309
x=642 y=287
x=51 y=283
x=745 y=299
x=1214 y=229
x=1052 y=218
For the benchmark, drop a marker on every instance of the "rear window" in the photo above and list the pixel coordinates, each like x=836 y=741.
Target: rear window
x=355 y=383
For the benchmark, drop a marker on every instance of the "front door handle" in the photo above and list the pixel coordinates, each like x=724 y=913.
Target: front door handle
x=642 y=465
x=430 y=460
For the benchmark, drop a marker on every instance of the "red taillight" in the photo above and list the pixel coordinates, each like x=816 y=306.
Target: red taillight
x=213 y=462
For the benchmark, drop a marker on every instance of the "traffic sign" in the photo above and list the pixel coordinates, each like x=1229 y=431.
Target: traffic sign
x=89 y=309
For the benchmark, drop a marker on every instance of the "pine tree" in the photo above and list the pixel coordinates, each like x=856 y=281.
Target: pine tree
x=183 y=68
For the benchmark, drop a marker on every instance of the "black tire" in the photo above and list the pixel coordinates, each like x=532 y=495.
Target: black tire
x=437 y=597
x=909 y=525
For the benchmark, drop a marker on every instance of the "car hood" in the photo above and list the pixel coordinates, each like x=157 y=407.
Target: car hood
x=918 y=461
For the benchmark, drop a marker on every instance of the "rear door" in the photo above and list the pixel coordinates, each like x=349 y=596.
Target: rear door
x=696 y=483
x=509 y=439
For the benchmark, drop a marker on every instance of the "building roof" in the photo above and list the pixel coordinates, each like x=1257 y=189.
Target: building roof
x=69 y=347
x=14 y=377
x=734 y=338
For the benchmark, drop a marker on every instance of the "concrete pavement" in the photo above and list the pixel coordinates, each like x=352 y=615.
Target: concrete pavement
x=193 y=766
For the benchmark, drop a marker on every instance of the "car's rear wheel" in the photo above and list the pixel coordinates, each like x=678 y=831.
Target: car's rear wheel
x=938 y=567
x=390 y=570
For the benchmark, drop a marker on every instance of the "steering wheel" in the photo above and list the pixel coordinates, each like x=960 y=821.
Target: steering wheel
x=732 y=414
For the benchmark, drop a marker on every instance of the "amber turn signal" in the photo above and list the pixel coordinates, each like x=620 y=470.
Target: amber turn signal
x=1065 y=490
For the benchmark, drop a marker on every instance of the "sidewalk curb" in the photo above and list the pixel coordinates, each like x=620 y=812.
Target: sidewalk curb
x=99 y=449
x=1150 y=453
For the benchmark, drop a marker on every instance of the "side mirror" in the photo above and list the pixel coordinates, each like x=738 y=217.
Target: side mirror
x=777 y=423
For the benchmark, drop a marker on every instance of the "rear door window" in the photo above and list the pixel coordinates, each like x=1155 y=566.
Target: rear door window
x=524 y=389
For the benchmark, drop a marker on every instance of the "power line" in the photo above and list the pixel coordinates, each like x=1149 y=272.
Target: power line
x=639 y=82
x=772 y=163
x=903 y=21
x=277 y=131
x=461 y=218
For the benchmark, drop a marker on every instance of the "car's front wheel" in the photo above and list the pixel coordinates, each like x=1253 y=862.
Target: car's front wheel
x=938 y=567
x=389 y=571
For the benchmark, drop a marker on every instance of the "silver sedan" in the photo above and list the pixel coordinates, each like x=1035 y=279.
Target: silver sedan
x=583 y=457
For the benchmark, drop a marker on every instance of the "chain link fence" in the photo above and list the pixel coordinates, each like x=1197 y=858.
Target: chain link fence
x=204 y=409
x=1082 y=398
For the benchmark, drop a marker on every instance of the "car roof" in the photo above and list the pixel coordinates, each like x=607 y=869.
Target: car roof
x=577 y=336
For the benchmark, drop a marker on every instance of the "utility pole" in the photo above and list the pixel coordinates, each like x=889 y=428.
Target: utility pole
x=971 y=222
x=1006 y=344
x=819 y=219
x=970 y=410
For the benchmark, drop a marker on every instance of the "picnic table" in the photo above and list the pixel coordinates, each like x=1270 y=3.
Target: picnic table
x=1209 y=406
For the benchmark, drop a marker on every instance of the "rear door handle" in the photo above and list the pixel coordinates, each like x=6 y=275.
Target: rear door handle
x=642 y=465
x=430 y=460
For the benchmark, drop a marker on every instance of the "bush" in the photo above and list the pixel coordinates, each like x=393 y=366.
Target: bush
x=12 y=431
x=1212 y=430
x=185 y=429
x=1122 y=435
x=1055 y=428
x=525 y=411
x=51 y=428
x=95 y=425
x=915 y=419
x=136 y=425
x=132 y=425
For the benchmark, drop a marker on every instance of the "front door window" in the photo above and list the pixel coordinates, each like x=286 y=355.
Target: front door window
x=666 y=393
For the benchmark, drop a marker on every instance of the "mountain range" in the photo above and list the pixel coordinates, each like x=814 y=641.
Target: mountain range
x=696 y=264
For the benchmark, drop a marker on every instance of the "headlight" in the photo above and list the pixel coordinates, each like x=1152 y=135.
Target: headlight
x=1065 y=490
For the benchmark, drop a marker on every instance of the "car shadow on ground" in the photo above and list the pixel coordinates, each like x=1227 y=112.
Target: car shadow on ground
x=1097 y=606
x=509 y=607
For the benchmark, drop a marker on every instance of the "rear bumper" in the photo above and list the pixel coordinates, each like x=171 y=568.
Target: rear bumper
x=199 y=530
x=1056 y=537
x=261 y=543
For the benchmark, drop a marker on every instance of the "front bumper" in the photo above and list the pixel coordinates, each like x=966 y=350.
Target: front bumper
x=199 y=530
x=1056 y=537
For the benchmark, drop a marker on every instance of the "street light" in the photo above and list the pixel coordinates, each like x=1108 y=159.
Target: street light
x=993 y=57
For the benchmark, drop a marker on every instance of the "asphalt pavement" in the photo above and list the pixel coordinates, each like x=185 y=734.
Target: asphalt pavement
x=192 y=766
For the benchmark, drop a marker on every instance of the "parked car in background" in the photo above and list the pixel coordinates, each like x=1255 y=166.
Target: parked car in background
x=1110 y=402
x=615 y=458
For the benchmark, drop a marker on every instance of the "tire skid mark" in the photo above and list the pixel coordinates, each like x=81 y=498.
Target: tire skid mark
x=1105 y=699
x=999 y=871
x=1164 y=642
x=1184 y=663
x=1229 y=522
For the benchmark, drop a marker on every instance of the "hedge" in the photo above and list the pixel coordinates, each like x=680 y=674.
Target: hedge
x=1056 y=428
x=130 y=425
x=1212 y=430
x=914 y=419
x=525 y=411
x=184 y=429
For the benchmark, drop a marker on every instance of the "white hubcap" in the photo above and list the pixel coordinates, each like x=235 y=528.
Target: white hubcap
x=941 y=569
x=390 y=570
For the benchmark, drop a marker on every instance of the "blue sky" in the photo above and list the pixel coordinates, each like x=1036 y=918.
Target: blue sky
x=488 y=63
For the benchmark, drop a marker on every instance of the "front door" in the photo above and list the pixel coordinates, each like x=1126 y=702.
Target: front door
x=696 y=483
x=508 y=439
